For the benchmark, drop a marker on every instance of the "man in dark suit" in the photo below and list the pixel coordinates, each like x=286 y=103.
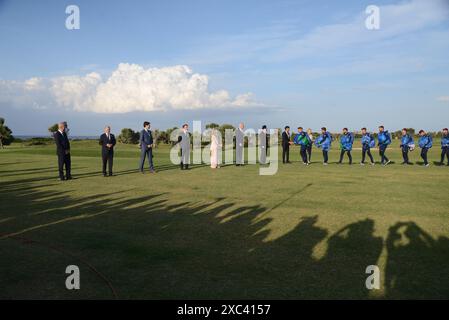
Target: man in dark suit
x=107 y=142
x=184 y=142
x=286 y=145
x=263 y=143
x=146 y=146
x=63 y=151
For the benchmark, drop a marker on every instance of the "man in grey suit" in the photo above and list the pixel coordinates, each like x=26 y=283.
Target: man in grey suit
x=239 y=144
x=146 y=146
x=263 y=145
x=184 y=141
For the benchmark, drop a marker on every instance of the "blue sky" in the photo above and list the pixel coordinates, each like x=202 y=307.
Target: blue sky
x=308 y=63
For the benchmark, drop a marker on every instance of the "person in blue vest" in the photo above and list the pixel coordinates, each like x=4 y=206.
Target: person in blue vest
x=368 y=142
x=407 y=144
x=303 y=141
x=324 y=141
x=444 y=146
x=346 y=141
x=425 y=143
x=383 y=140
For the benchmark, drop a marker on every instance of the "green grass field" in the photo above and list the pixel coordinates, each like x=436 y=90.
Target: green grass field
x=306 y=232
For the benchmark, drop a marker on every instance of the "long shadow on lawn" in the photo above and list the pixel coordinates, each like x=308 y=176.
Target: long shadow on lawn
x=418 y=264
x=152 y=247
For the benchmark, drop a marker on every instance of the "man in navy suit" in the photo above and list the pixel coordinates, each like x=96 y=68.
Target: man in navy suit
x=63 y=151
x=146 y=146
x=107 y=142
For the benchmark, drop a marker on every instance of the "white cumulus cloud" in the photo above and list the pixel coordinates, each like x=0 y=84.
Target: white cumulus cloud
x=443 y=99
x=130 y=87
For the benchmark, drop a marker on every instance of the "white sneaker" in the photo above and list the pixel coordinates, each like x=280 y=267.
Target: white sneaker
x=372 y=163
x=362 y=163
x=426 y=165
x=325 y=163
x=388 y=162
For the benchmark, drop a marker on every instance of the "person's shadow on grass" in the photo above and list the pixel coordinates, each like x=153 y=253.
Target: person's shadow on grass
x=417 y=265
x=208 y=249
x=349 y=251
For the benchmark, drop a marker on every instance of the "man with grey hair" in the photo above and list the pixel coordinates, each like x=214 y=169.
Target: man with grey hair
x=107 y=142
x=184 y=141
x=239 y=144
x=63 y=151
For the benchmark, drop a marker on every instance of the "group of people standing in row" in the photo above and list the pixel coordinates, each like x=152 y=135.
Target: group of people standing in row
x=305 y=140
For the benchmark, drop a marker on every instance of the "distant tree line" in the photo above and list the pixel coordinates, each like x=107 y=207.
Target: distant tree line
x=129 y=136
x=163 y=136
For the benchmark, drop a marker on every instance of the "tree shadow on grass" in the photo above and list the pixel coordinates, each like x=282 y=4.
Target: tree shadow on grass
x=153 y=247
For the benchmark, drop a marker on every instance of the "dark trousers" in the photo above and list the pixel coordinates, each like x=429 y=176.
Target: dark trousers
x=383 y=157
x=108 y=158
x=285 y=153
x=424 y=155
x=183 y=157
x=405 y=154
x=445 y=153
x=146 y=153
x=64 y=160
x=367 y=151
x=309 y=152
x=325 y=156
x=303 y=153
x=342 y=153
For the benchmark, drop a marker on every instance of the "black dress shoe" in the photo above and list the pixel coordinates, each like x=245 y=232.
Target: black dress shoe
x=62 y=179
x=69 y=178
x=111 y=175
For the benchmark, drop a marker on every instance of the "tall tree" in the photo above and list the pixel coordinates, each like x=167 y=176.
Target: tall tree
x=6 y=136
x=53 y=128
x=128 y=136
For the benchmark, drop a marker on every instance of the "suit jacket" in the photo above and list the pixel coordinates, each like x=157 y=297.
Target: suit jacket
x=104 y=141
x=146 y=138
x=62 y=143
x=184 y=141
x=239 y=138
x=285 y=140
x=263 y=138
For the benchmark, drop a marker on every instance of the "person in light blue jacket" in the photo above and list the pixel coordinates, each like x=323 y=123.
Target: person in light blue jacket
x=407 y=144
x=368 y=142
x=346 y=141
x=425 y=143
x=324 y=141
x=444 y=146
x=383 y=140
